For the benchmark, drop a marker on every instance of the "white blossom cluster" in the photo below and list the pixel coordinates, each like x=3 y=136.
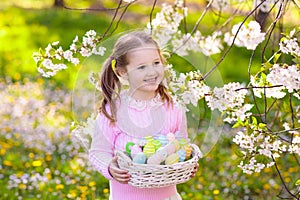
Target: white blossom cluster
x=208 y=45
x=253 y=166
x=279 y=79
x=294 y=147
x=290 y=44
x=94 y=80
x=245 y=36
x=211 y=44
x=52 y=60
x=258 y=143
x=187 y=88
x=230 y=100
x=166 y=22
x=84 y=131
x=223 y=5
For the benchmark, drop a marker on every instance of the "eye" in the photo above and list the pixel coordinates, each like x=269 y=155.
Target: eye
x=156 y=63
x=141 y=67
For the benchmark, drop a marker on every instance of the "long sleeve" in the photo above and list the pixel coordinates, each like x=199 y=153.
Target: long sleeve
x=182 y=123
x=102 y=146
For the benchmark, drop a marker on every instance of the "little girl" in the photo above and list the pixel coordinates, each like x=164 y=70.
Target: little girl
x=146 y=108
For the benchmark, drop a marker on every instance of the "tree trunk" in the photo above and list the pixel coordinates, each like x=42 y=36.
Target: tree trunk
x=59 y=3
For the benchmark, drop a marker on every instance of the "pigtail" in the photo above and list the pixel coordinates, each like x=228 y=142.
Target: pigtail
x=163 y=92
x=111 y=87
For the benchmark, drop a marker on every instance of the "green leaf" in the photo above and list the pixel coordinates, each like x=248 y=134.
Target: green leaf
x=297 y=182
x=254 y=120
x=276 y=57
x=238 y=152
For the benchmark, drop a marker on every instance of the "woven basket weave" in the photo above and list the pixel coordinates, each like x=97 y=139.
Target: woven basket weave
x=153 y=176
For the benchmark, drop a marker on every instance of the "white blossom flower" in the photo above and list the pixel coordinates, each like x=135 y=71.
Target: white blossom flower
x=85 y=52
x=221 y=5
x=287 y=76
x=246 y=36
x=227 y=97
x=100 y=51
x=211 y=44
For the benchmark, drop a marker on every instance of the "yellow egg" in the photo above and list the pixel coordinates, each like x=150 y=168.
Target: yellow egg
x=177 y=145
x=172 y=159
x=149 y=149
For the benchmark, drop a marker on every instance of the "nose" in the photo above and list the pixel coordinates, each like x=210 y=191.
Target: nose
x=151 y=70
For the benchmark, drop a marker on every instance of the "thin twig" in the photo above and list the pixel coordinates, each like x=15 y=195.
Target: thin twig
x=281 y=178
x=151 y=15
x=113 y=19
x=271 y=28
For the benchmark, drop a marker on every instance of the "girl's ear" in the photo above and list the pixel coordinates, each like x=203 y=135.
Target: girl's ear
x=123 y=73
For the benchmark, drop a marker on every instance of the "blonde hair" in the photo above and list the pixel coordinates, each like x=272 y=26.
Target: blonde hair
x=109 y=81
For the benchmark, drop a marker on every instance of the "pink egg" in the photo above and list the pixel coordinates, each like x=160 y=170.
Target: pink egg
x=170 y=137
x=155 y=159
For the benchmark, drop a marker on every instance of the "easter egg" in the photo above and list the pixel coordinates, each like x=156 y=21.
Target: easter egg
x=128 y=147
x=163 y=153
x=135 y=149
x=182 y=155
x=176 y=144
x=188 y=149
x=155 y=159
x=149 y=138
x=170 y=137
x=182 y=142
x=172 y=159
x=156 y=144
x=139 y=158
x=149 y=149
x=163 y=140
x=170 y=148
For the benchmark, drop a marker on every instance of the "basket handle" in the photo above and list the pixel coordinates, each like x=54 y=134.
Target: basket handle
x=126 y=161
x=198 y=152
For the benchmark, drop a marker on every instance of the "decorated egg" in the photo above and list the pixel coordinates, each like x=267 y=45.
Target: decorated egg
x=170 y=148
x=172 y=159
x=182 y=142
x=188 y=149
x=170 y=137
x=163 y=152
x=149 y=138
x=135 y=149
x=176 y=144
x=163 y=139
x=139 y=158
x=149 y=149
x=156 y=144
x=182 y=155
x=128 y=147
x=155 y=159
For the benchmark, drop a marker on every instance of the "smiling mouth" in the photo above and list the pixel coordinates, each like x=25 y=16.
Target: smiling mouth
x=151 y=80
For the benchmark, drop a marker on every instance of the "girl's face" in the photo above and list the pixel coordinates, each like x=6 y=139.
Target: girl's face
x=145 y=71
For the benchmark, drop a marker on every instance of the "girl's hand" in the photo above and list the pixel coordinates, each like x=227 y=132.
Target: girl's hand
x=195 y=170
x=118 y=174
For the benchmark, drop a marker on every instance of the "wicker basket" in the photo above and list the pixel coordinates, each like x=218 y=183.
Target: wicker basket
x=153 y=176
